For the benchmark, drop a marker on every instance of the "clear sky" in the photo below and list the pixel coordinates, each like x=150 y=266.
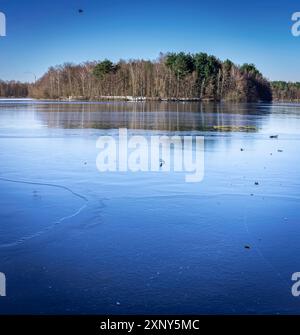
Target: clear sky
x=42 y=33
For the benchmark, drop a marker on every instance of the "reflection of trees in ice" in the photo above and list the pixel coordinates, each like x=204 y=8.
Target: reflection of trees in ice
x=169 y=116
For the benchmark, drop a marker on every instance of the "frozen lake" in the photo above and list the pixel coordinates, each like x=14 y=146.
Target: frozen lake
x=75 y=240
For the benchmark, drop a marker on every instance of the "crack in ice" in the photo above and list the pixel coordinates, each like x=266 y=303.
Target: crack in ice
x=55 y=223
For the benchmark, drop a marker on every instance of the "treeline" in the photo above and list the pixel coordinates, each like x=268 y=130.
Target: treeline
x=13 y=89
x=286 y=91
x=171 y=76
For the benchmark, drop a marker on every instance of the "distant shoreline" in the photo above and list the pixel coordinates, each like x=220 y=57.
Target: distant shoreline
x=139 y=99
x=179 y=76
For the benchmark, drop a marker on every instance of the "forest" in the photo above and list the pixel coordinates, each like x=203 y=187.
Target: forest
x=284 y=91
x=171 y=76
x=13 y=89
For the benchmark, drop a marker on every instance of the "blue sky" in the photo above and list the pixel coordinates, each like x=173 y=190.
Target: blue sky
x=45 y=33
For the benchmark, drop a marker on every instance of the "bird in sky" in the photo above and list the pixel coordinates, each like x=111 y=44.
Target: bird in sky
x=80 y=11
